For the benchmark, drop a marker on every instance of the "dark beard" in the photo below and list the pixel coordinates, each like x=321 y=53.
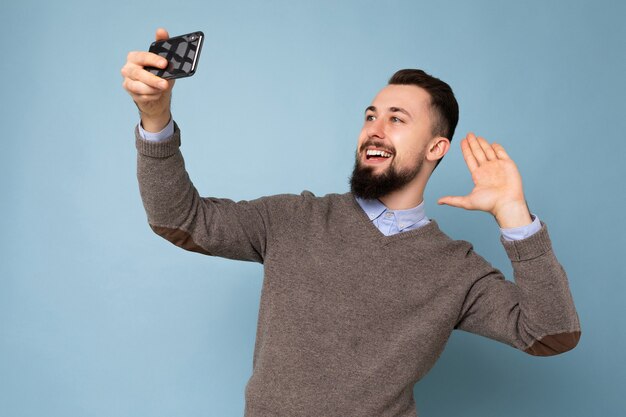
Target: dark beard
x=366 y=185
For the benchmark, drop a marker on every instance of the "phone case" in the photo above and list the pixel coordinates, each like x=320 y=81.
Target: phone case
x=182 y=53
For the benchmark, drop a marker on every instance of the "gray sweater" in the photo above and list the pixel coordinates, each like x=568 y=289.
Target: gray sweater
x=351 y=319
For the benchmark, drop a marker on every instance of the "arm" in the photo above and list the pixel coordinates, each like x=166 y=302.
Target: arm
x=175 y=211
x=537 y=313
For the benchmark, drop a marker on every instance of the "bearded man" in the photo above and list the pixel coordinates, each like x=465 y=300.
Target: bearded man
x=362 y=290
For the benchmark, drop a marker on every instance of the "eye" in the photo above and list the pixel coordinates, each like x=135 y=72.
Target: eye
x=395 y=119
x=369 y=117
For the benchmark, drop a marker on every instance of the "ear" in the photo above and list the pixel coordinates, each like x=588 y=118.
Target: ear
x=437 y=148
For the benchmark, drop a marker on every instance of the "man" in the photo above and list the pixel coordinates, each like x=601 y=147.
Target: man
x=361 y=290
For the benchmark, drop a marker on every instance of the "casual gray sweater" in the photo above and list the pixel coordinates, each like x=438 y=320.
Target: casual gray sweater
x=351 y=319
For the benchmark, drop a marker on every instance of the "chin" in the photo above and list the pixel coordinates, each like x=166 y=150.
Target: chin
x=375 y=181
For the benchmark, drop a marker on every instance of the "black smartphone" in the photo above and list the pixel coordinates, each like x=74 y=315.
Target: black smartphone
x=182 y=53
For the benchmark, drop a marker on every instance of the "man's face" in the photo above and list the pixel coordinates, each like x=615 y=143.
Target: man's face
x=392 y=143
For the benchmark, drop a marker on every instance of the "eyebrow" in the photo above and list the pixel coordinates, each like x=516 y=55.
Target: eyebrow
x=391 y=109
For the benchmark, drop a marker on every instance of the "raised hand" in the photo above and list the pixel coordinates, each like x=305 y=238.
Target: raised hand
x=497 y=184
x=151 y=94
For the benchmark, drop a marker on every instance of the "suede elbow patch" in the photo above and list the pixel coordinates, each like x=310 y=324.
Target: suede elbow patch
x=180 y=238
x=554 y=344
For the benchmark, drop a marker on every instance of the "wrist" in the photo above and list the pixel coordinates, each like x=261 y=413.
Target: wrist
x=156 y=122
x=514 y=214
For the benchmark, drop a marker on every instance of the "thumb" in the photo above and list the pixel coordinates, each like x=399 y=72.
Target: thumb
x=454 y=201
x=161 y=34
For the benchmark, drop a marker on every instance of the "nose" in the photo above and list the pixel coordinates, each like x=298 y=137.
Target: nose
x=375 y=129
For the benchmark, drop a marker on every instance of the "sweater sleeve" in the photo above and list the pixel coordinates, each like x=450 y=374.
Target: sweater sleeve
x=211 y=226
x=535 y=314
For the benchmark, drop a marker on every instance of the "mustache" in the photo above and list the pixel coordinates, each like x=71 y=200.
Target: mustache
x=378 y=145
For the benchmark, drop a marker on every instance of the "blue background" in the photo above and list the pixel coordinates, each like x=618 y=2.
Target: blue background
x=100 y=317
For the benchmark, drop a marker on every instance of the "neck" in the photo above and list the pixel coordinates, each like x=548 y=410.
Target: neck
x=401 y=201
x=409 y=196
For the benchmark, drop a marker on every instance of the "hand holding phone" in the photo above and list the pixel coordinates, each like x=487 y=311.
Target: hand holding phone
x=182 y=53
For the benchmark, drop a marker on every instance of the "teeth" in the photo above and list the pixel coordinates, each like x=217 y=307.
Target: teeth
x=375 y=152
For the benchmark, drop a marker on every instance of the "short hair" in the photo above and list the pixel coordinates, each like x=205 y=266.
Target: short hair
x=443 y=105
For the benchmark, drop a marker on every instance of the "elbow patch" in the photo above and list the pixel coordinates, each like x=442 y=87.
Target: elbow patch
x=180 y=238
x=553 y=344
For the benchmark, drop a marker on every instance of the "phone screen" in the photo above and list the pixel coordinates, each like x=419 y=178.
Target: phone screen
x=182 y=53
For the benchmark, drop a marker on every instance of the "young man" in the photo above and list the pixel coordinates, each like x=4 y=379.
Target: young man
x=361 y=290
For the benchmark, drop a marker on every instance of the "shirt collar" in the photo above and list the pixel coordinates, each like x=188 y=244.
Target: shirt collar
x=374 y=209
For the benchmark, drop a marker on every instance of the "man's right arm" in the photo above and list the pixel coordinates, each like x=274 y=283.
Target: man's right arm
x=175 y=211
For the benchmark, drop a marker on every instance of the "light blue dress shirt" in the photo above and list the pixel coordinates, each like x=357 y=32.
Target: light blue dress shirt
x=389 y=222
x=159 y=136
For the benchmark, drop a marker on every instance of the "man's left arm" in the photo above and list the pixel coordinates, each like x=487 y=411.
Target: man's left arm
x=537 y=313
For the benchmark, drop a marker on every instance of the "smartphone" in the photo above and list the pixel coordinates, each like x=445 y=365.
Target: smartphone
x=182 y=53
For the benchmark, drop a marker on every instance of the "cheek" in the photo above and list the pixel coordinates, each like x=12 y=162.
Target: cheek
x=361 y=139
x=407 y=157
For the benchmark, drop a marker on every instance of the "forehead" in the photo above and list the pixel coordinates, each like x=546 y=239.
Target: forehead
x=412 y=98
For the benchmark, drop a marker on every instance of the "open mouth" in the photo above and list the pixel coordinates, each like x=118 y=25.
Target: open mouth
x=377 y=155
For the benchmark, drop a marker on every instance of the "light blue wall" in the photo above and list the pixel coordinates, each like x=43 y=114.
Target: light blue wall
x=100 y=317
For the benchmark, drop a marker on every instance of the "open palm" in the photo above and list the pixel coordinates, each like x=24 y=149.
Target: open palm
x=497 y=181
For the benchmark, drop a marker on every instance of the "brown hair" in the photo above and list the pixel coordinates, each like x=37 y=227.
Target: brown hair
x=443 y=104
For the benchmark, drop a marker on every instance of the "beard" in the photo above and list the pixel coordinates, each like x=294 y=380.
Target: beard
x=367 y=185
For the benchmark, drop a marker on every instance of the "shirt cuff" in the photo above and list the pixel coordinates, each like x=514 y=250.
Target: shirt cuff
x=161 y=136
x=522 y=232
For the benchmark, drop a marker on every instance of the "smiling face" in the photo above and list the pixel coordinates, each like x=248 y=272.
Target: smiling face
x=393 y=141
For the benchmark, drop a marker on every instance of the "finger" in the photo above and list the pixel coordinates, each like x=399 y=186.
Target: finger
x=144 y=99
x=454 y=201
x=489 y=152
x=137 y=73
x=161 y=34
x=140 y=89
x=500 y=152
x=146 y=59
x=476 y=149
x=471 y=162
